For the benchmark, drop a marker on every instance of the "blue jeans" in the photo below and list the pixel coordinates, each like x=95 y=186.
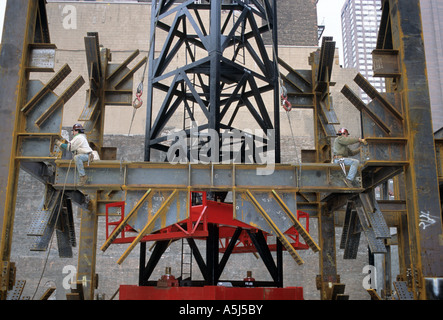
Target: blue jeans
x=354 y=163
x=79 y=159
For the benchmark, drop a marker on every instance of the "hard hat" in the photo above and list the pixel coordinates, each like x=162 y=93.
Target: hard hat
x=342 y=131
x=78 y=127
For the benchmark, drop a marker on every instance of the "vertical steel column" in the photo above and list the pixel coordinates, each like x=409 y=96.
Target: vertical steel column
x=88 y=248
x=277 y=85
x=212 y=250
x=19 y=31
x=142 y=263
x=404 y=247
x=215 y=54
x=279 y=263
x=145 y=271
x=423 y=203
x=387 y=284
x=328 y=260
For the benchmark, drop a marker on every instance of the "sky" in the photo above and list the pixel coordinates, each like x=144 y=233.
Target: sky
x=2 y=15
x=328 y=14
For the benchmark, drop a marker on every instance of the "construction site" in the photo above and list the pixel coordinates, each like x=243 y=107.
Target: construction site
x=209 y=165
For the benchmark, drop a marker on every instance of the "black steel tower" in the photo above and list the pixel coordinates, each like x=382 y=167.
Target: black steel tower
x=215 y=43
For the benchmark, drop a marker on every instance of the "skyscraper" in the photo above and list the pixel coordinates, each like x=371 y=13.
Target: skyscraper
x=431 y=12
x=360 y=22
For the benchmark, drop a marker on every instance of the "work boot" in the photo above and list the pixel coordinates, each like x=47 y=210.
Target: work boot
x=82 y=180
x=349 y=183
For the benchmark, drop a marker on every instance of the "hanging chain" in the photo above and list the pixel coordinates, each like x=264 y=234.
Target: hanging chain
x=138 y=102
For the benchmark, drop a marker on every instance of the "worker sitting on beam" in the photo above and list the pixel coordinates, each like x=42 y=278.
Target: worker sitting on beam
x=79 y=146
x=342 y=154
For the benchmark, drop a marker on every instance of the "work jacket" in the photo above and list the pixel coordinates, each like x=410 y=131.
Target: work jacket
x=79 y=144
x=341 y=147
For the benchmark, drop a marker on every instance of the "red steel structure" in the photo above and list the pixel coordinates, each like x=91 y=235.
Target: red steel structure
x=196 y=226
x=203 y=213
x=132 y=292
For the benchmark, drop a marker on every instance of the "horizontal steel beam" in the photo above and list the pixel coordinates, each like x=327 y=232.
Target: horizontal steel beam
x=144 y=175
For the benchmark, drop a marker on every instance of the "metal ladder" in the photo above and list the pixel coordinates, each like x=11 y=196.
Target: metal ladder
x=186 y=261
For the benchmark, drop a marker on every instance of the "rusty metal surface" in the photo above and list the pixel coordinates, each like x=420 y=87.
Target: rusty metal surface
x=14 y=50
x=87 y=248
x=422 y=188
x=328 y=260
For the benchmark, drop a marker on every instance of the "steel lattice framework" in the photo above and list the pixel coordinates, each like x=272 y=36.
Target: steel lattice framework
x=214 y=82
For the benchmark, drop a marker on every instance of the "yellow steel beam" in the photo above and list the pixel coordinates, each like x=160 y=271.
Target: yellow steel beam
x=20 y=23
x=148 y=226
x=374 y=295
x=277 y=231
x=48 y=293
x=297 y=225
x=120 y=227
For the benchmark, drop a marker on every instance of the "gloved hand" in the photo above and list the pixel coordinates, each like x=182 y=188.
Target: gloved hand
x=58 y=143
x=363 y=141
